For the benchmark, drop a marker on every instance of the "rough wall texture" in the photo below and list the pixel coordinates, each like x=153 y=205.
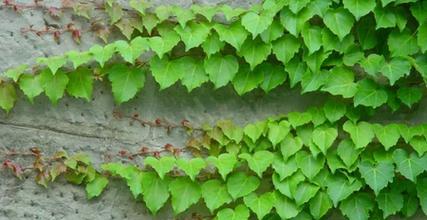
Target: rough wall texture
x=75 y=125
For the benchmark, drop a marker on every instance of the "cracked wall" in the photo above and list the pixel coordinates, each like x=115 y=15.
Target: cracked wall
x=75 y=125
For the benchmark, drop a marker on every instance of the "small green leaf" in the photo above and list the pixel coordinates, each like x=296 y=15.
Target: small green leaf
x=95 y=187
x=31 y=86
x=155 y=191
x=340 y=188
x=256 y=23
x=239 y=184
x=192 y=72
x=309 y=165
x=102 y=54
x=285 y=207
x=396 y=69
x=162 y=166
x=320 y=205
x=369 y=94
x=409 y=95
x=184 y=193
x=212 y=44
x=388 y=135
x=193 y=35
x=419 y=144
x=304 y=192
x=402 y=44
x=231 y=12
x=341 y=82
x=410 y=166
x=224 y=163
x=234 y=34
x=359 y=8
x=255 y=52
x=274 y=75
x=53 y=85
x=361 y=133
x=81 y=83
x=54 y=62
x=297 y=119
x=277 y=131
x=334 y=110
x=206 y=11
x=339 y=21
x=324 y=137
x=358 y=206
x=15 y=73
x=373 y=64
x=79 y=58
x=348 y=152
x=273 y=32
x=312 y=36
x=390 y=202
x=255 y=130
x=247 y=80
x=290 y=145
x=241 y=212
x=285 y=48
x=164 y=71
x=7 y=96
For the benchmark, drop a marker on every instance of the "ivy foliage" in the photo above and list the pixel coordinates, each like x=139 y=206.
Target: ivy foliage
x=299 y=164
x=369 y=51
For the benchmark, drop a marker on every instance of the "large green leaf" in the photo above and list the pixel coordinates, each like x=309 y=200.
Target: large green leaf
x=234 y=34
x=341 y=82
x=361 y=133
x=312 y=36
x=377 y=176
x=221 y=69
x=309 y=165
x=154 y=190
x=290 y=145
x=184 y=193
x=256 y=23
x=247 y=80
x=274 y=75
x=241 y=212
x=369 y=94
x=215 y=194
x=102 y=54
x=7 y=96
x=285 y=207
x=410 y=166
x=193 y=34
x=260 y=205
x=277 y=131
x=339 y=21
x=402 y=44
x=30 y=85
x=164 y=71
x=81 y=83
x=286 y=47
x=396 y=69
x=212 y=44
x=273 y=32
x=284 y=168
x=390 y=202
x=126 y=81
x=255 y=52
x=385 y=18
x=192 y=72
x=191 y=167
x=259 y=161
x=422 y=36
x=340 y=188
x=334 y=110
x=54 y=85
x=320 y=205
x=96 y=186
x=162 y=166
x=357 y=207
x=409 y=95
x=359 y=8
x=304 y=192
x=239 y=184
x=255 y=130
x=224 y=163
x=373 y=64
x=388 y=135
x=164 y=44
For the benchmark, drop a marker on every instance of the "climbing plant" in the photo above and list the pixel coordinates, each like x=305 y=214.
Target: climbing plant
x=365 y=54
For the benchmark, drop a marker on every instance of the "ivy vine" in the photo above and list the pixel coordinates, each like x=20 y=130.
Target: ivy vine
x=365 y=52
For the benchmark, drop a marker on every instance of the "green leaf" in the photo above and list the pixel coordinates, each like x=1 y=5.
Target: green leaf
x=296 y=5
x=7 y=96
x=320 y=205
x=277 y=131
x=377 y=176
x=224 y=163
x=164 y=44
x=285 y=207
x=373 y=64
x=309 y=165
x=16 y=72
x=155 y=191
x=79 y=58
x=221 y=69
x=422 y=193
x=53 y=62
x=312 y=36
x=206 y=11
x=241 y=212
x=341 y=82
x=402 y=43
x=259 y=161
x=324 y=137
x=409 y=95
x=53 y=85
x=81 y=83
x=274 y=75
x=239 y=184
x=191 y=167
x=247 y=80
x=340 y=188
x=339 y=21
x=212 y=44
x=230 y=130
x=410 y=166
x=334 y=110
x=149 y=21
x=359 y=8
x=256 y=23
x=357 y=207
x=260 y=205
x=234 y=34
x=193 y=35
x=295 y=69
x=284 y=168
x=132 y=51
x=290 y=145
x=273 y=32
x=422 y=36
x=388 y=135
x=184 y=193
x=162 y=166
x=361 y=133
x=366 y=34
x=192 y=72
x=385 y=18
x=183 y=15
x=139 y=5
x=390 y=202
x=285 y=48
x=304 y=192
x=254 y=131
x=418 y=11
x=215 y=194
x=95 y=187
x=102 y=54
x=230 y=12
x=369 y=94
x=126 y=81
x=164 y=71
x=419 y=144
x=30 y=85
x=396 y=69
x=255 y=52
x=297 y=119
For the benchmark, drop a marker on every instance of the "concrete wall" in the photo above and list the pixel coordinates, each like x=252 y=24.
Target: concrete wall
x=75 y=125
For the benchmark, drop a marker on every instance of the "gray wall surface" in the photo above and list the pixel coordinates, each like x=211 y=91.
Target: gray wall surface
x=75 y=125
